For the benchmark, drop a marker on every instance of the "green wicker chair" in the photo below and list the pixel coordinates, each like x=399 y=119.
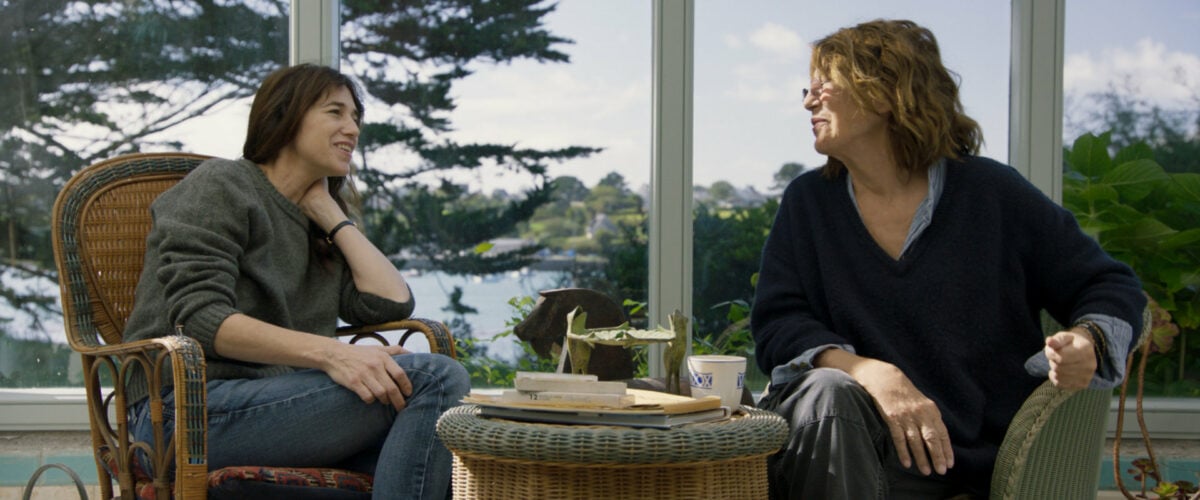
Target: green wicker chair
x=99 y=225
x=1054 y=445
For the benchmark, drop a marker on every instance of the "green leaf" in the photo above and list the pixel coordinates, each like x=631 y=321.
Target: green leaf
x=1136 y=179
x=1184 y=187
x=1122 y=214
x=1182 y=239
x=1089 y=155
x=1136 y=151
x=1170 y=278
x=1094 y=227
x=1098 y=192
x=1095 y=221
x=1146 y=231
x=1166 y=490
x=1176 y=279
x=482 y=248
x=1187 y=314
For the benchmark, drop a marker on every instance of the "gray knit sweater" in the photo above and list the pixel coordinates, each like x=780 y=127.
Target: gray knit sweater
x=225 y=241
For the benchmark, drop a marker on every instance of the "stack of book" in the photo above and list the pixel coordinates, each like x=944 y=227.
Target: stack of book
x=565 y=389
x=563 y=398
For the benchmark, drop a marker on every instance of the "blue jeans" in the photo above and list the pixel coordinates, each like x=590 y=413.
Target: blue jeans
x=305 y=419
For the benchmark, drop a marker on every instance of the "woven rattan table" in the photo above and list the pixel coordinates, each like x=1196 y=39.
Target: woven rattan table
x=503 y=459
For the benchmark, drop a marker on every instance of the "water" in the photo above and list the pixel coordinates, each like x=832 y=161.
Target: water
x=487 y=294
x=30 y=322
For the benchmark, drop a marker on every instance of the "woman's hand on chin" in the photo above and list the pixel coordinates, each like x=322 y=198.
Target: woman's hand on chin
x=319 y=206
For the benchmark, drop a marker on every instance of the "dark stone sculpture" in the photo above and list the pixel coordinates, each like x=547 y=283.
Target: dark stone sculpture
x=546 y=327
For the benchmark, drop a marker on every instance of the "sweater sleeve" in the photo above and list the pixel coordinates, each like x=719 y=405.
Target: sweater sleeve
x=784 y=320
x=199 y=249
x=1068 y=271
x=359 y=308
x=1109 y=373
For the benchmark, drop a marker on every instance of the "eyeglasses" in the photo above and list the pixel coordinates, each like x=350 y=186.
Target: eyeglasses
x=818 y=88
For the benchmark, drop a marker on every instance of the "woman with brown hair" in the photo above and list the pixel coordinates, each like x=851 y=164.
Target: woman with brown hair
x=256 y=259
x=898 y=304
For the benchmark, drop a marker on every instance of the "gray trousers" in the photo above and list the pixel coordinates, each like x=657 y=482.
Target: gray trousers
x=839 y=446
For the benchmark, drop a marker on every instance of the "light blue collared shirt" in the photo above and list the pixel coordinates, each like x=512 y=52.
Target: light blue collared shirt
x=1117 y=332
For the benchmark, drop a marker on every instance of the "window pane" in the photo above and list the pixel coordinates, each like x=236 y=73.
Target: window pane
x=529 y=136
x=85 y=81
x=752 y=135
x=1132 y=76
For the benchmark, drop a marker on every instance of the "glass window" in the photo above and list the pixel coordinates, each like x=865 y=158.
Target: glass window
x=85 y=81
x=1131 y=85
x=752 y=136
x=504 y=154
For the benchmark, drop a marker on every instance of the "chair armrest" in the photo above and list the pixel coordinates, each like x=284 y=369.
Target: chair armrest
x=439 y=337
x=1053 y=445
x=188 y=445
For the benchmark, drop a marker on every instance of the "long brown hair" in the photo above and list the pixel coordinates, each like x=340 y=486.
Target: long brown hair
x=898 y=63
x=278 y=110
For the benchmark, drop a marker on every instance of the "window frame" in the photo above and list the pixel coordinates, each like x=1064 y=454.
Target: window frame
x=1035 y=149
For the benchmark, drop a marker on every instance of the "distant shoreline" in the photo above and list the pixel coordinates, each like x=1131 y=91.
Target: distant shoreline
x=555 y=263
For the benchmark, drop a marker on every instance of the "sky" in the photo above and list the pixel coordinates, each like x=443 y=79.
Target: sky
x=751 y=62
x=750 y=65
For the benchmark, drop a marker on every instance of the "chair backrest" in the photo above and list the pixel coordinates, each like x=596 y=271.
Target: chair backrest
x=99 y=227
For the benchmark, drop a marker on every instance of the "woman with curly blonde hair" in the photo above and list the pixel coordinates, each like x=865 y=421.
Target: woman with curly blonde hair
x=899 y=300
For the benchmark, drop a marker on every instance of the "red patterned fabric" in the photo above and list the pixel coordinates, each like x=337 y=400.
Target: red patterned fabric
x=310 y=477
x=143 y=487
x=313 y=477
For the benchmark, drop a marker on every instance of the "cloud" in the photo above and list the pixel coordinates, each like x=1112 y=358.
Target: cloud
x=1163 y=77
x=757 y=84
x=540 y=106
x=771 y=75
x=778 y=40
x=732 y=41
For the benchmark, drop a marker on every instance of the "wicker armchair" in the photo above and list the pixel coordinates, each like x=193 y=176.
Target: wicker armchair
x=1054 y=444
x=100 y=222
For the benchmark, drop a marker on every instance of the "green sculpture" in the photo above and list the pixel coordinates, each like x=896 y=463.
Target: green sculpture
x=580 y=340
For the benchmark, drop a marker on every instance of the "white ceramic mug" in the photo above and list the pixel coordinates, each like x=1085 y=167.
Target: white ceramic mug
x=717 y=375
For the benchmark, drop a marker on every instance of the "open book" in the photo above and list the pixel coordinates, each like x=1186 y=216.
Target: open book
x=650 y=409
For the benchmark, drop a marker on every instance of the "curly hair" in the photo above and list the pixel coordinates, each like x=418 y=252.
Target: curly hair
x=898 y=63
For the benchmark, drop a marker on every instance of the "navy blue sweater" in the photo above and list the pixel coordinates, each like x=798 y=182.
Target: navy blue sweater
x=958 y=313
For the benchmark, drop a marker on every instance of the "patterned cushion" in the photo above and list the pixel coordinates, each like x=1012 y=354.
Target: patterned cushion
x=311 y=477
x=143 y=486
x=228 y=479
